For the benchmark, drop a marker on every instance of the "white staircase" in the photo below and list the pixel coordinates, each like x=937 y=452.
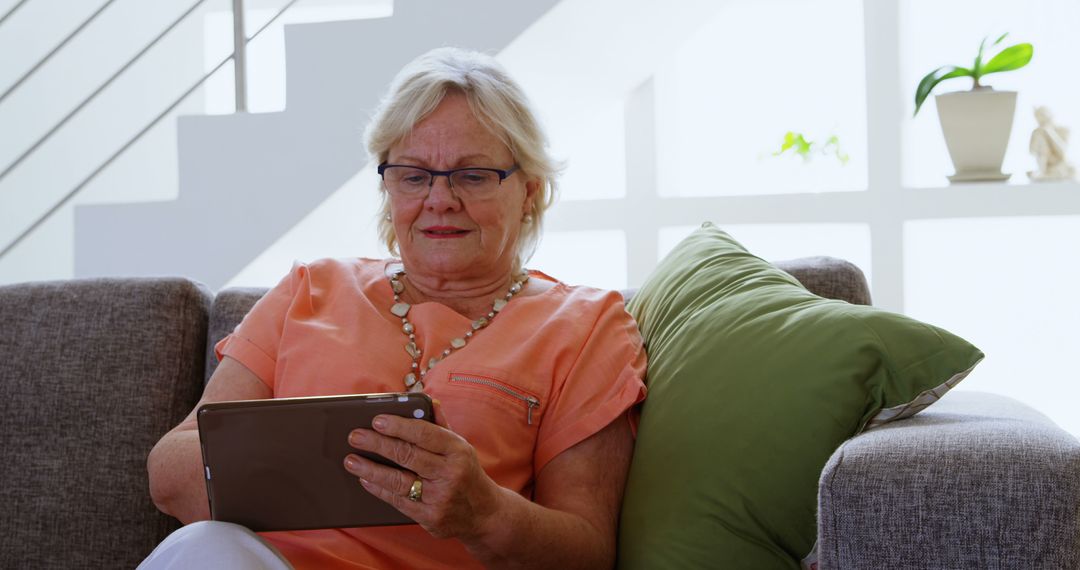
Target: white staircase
x=246 y=179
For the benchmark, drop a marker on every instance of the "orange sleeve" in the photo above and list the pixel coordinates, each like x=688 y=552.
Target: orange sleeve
x=605 y=382
x=256 y=340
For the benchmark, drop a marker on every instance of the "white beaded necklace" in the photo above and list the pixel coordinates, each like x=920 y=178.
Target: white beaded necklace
x=414 y=380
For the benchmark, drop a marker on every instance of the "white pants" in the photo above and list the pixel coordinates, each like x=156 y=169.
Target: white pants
x=214 y=544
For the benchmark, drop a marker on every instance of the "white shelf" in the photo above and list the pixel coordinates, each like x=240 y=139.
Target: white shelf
x=1016 y=183
x=991 y=200
x=972 y=200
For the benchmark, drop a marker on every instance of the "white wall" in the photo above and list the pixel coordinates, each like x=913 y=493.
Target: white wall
x=713 y=88
x=945 y=260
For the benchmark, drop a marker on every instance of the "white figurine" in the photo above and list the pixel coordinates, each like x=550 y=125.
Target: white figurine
x=1048 y=144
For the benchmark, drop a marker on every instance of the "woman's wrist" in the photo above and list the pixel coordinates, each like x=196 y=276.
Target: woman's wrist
x=520 y=534
x=492 y=514
x=496 y=521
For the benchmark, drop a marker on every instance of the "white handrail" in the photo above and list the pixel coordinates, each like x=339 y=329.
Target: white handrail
x=49 y=55
x=92 y=96
x=67 y=198
x=12 y=11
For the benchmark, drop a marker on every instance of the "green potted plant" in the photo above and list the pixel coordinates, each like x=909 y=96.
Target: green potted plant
x=976 y=123
x=797 y=143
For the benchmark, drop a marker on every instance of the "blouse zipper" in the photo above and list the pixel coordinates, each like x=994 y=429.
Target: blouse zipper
x=531 y=401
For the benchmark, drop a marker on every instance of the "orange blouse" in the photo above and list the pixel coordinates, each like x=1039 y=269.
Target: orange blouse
x=326 y=329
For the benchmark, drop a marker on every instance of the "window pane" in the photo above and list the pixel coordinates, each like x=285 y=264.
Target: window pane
x=778 y=242
x=748 y=76
x=595 y=258
x=1009 y=287
x=591 y=144
x=935 y=33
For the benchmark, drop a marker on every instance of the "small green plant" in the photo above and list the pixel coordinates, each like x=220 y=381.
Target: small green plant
x=797 y=143
x=1008 y=59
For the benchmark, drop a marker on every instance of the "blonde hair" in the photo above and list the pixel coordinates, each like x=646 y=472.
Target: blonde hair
x=498 y=103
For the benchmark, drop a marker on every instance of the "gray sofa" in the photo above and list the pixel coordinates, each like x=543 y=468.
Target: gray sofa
x=93 y=372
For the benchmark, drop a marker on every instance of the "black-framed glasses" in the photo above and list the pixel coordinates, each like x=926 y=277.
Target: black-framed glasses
x=416 y=182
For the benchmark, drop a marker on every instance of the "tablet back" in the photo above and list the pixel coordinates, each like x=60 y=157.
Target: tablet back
x=279 y=464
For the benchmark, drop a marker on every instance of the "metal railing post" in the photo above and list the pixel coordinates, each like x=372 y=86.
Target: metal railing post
x=239 y=56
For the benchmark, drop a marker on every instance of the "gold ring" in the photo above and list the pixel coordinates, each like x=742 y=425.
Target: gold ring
x=416 y=492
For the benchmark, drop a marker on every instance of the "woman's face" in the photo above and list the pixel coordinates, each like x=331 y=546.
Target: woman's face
x=444 y=236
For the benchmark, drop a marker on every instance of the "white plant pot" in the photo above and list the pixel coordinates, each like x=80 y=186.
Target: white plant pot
x=977 y=125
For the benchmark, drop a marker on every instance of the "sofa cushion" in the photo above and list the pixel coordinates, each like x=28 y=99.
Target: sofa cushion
x=94 y=372
x=753 y=383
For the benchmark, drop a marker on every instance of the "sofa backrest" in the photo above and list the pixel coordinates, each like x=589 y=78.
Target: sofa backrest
x=93 y=373
x=230 y=306
x=828 y=277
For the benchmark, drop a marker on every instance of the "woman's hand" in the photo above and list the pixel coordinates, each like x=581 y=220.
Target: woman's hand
x=577 y=494
x=457 y=496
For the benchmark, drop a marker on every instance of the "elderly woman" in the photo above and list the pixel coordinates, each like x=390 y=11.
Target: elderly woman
x=537 y=380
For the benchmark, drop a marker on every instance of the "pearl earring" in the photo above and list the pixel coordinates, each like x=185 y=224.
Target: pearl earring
x=388 y=218
x=527 y=219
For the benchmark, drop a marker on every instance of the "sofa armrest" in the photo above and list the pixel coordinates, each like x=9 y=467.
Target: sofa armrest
x=976 y=481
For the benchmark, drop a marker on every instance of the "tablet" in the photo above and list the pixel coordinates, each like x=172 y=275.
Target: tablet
x=279 y=464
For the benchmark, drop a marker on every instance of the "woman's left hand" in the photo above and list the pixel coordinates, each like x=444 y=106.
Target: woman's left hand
x=457 y=495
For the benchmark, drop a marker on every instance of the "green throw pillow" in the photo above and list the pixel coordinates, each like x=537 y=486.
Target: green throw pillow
x=753 y=383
